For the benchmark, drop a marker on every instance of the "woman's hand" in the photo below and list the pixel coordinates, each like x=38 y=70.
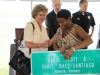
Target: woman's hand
x=45 y=44
x=62 y=50
x=68 y=54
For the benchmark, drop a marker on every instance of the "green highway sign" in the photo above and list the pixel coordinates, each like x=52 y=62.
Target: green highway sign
x=53 y=63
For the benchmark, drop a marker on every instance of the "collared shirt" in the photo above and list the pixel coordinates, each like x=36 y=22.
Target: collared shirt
x=36 y=36
x=56 y=12
x=85 y=21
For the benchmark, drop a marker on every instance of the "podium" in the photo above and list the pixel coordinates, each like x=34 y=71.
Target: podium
x=18 y=34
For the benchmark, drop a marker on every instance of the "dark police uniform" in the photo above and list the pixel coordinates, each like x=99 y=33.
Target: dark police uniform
x=84 y=20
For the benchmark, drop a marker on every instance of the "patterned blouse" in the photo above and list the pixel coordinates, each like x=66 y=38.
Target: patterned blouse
x=69 y=40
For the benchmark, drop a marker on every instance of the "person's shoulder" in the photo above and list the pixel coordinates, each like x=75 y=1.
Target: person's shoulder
x=75 y=13
x=28 y=24
x=77 y=26
x=89 y=13
x=50 y=13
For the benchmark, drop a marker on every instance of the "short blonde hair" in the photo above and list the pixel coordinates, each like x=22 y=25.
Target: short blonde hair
x=37 y=9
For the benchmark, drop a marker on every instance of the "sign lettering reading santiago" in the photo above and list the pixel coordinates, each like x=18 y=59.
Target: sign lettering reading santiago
x=53 y=63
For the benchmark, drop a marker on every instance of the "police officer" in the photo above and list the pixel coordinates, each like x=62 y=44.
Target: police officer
x=83 y=18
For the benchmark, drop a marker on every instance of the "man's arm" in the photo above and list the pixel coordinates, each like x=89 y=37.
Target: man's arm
x=49 y=24
x=92 y=25
x=92 y=31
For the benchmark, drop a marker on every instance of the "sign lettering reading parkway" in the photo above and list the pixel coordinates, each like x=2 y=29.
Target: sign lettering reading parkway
x=53 y=63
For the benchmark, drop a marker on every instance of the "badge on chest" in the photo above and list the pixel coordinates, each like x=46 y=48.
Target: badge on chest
x=88 y=17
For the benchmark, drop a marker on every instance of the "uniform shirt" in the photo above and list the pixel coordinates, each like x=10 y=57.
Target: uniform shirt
x=36 y=36
x=84 y=20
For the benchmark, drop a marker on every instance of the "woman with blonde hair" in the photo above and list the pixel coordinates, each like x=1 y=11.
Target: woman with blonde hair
x=37 y=39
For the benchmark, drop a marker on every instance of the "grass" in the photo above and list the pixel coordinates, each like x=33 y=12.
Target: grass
x=4 y=71
x=5 y=42
x=4 y=59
